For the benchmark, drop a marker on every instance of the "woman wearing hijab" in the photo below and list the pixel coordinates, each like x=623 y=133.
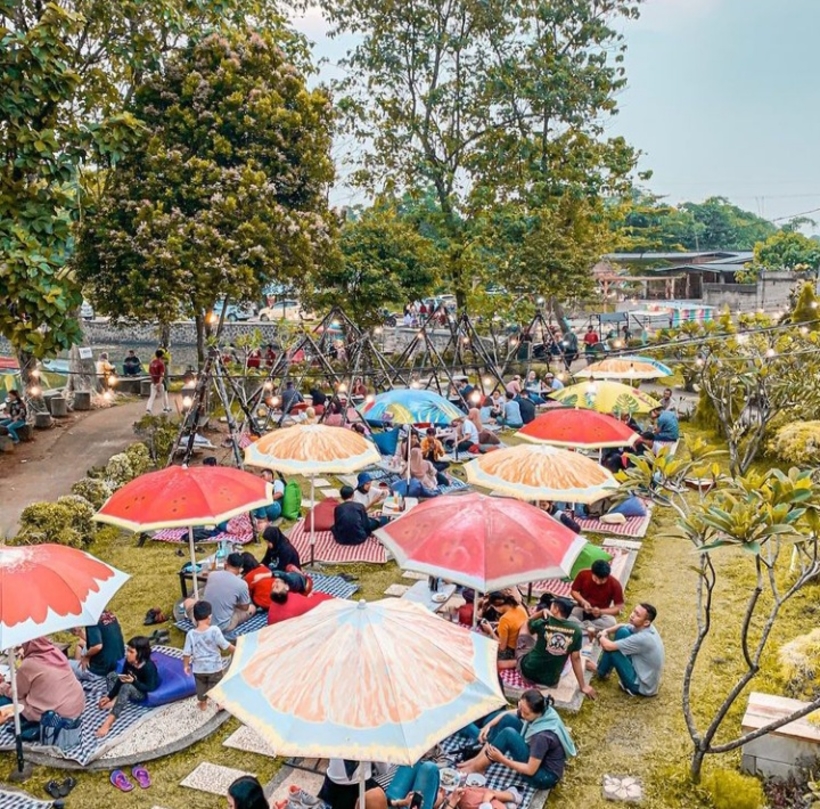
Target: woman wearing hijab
x=424 y=471
x=533 y=387
x=45 y=682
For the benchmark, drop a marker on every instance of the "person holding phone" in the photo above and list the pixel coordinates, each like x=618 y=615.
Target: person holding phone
x=139 y=678
x=531 y=741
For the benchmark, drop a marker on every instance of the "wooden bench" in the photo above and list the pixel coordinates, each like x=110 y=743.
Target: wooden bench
x=777 y=753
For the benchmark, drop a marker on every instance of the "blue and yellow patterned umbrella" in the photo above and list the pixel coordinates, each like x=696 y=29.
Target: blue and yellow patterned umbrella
x=378 y=681
x=410 y=406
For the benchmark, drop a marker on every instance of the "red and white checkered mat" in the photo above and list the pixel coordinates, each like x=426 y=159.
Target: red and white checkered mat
x=326 y=549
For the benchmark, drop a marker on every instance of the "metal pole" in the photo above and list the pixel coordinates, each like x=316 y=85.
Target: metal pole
x=18 y=737
x=192 y=547
x=312 y=510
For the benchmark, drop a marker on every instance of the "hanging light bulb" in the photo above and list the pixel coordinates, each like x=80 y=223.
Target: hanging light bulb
x=34 y=390
x=475 y=396
x=342 y=387
x=369 y=399
x=187 y=401
x=275 y=401
x=414 y=385
x=112 y=380
x=268 y=385
x=742 y=338
x=108 y=396
x=378 y=330
x=771 y=353
x=35 y=373
x=804 y=330
x=487 y=381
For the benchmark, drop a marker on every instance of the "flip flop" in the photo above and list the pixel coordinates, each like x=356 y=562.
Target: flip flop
x=120 y=780
x=67 y=786
x=53 y=789
x=141 y=774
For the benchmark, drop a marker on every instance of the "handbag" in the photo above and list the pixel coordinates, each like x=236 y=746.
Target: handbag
x=57 y=731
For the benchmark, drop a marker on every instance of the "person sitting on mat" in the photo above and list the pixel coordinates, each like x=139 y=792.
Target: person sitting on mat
x=273 y=510
x=340 y=788
x=531 y=741
x=45 y=682
x=138 y=679
x=351 y=523
x=549 y=639
x=366 y=493
x=228 y=594
x=513 y=616
x=424 y=472
x=280 y=553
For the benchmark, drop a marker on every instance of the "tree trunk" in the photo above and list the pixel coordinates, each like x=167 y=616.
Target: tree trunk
x=165 y=335
x=697 y=765
x=201 y=327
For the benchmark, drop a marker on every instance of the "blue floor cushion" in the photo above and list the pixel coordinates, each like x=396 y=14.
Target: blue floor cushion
x=631 y=507
x=174 y=683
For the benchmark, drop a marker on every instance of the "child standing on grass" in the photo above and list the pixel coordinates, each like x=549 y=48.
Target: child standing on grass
x=201 y=652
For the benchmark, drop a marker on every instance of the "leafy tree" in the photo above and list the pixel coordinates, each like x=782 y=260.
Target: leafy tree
x=226 y=192
x=643 y=222
x=484 y=102
x=773 y=518
x=64 y=71
x=724 y=226
x=384 y=260
x=788 y=250
x=806 y=307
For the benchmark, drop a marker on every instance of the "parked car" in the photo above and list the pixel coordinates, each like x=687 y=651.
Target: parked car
x=87 y=311
x=281 y=310
x=235 y=311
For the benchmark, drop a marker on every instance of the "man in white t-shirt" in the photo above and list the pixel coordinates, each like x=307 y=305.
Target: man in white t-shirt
x=272 y=511
x=465 y=434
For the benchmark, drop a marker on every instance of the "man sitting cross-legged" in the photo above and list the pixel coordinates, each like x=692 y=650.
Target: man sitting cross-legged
x=635 y=650
x=228 y=594
x=599 y=597
x=546 y=644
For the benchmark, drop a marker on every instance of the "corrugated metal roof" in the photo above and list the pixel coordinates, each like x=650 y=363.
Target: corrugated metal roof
x=690 y=256
x=711 y=266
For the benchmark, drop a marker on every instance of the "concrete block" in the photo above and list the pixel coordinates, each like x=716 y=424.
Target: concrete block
x=43 y=421
x=145 y=387
x=82 y=400
x=58 y=406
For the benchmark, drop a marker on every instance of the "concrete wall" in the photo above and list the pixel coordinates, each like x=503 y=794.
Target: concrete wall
x=770 y=293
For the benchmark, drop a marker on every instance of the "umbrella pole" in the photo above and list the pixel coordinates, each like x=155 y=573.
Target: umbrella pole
x=312 y=516
x=361 y=786
x=475 y=608
x=193 y=561
x=409 y=444
x=18 y=738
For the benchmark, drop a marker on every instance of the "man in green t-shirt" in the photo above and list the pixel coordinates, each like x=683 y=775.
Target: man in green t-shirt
x=542 y=652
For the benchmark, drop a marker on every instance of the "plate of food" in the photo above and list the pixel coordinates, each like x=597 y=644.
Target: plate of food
x=439 y=598
x=476 y=779
x=449 y=777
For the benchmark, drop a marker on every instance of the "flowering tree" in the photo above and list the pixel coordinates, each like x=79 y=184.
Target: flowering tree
x=226 y=191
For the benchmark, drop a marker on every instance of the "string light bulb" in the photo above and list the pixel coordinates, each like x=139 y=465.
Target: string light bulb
x=112 y=380
x=34 y=390
x=187 y=401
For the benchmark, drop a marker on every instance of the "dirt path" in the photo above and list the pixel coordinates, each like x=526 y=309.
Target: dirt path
x=46 y=468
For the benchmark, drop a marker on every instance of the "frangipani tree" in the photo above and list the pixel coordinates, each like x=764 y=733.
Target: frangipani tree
x=773 y=518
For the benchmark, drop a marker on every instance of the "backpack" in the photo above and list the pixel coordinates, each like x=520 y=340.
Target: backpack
x=57 y=731
x=292 y=501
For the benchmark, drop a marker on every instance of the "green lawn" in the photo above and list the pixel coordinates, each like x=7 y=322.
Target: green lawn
x=616 y=734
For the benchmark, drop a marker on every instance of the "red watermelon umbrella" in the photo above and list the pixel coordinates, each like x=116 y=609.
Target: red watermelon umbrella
x=48 y=588
x=182 y=497
x=580 y=429
x=482 y=542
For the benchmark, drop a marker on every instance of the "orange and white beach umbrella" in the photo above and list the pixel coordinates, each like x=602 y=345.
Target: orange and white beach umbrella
x=541 y=472
x=312 y=449
x=378 y=681
x=621 y=368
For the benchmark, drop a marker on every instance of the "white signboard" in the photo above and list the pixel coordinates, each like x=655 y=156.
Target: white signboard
x=86 y=354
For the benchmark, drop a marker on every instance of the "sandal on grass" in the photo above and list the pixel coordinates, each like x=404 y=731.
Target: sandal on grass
x=141 y=774
x=120 y=780
x=53 y=789
x=67 y=786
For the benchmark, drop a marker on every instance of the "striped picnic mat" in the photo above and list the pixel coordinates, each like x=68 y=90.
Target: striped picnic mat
x=239 y=533
x=326 y=549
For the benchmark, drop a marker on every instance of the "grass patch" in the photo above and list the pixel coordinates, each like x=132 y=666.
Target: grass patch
x=616 y=734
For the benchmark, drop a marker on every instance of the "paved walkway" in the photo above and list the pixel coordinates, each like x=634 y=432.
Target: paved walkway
x=47 y=467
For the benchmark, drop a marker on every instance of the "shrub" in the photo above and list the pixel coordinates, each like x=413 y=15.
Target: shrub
x=118 y=470
x=95 y=490
x=66 y=522
x=729 y=789
x=139 y=457
x=797 y=443
x=159 y=434
x=800 y=662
